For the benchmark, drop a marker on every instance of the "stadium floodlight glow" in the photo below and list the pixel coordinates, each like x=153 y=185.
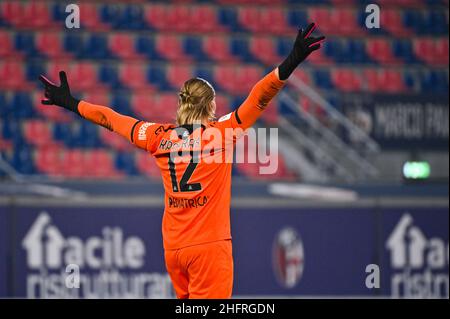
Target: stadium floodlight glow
x=416 y=170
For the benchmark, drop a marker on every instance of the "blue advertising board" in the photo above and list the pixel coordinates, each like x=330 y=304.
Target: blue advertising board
x=415 y=252
x=401 y=121
x=3 y=251
x=117 y=251
x=332 y=248
x=297 y=252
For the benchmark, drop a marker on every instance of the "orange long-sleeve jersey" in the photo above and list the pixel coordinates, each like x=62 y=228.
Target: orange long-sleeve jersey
x=197 y=182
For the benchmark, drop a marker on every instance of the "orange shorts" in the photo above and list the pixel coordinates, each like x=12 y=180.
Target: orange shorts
x=202 y=271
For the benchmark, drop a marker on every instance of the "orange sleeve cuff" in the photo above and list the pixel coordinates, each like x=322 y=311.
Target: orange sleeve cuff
x=108 y=118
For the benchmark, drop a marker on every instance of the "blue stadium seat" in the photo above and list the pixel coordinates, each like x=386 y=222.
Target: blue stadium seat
x=24 y=42
x=146 y=45
x=73 y=44
x=22 y=160
x=108 y=74
x=33 y=69
x=156 y=75
x=240 y=47
x=403 y=49
x=228 y=16
x=297 y=17
x=96 y=47
x=193 y=46
x=323 y=80
x=62 y=133
x=121 y=103
x=124 y=161
x=21 y=105
x=132 y=18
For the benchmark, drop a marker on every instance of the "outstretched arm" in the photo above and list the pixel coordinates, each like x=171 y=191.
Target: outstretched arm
x=101 y=115
x=265 y=90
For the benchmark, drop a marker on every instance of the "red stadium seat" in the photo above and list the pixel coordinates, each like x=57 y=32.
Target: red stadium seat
x=178 y=74
x=391 y=19
x=346 y=80
x=50 y=160
x=169 y=46
x=322 y=17
x=115 y=141
x=90 y=17
x=6 y=47
x=217 y=48
x=12 y=75
x=12 y=12
x=225 y=76
x=204 y=19
x=101 y=165
x=424 y=49
x=146 y=164
x=344 y=22
x=36 y=14
x=37 y=132
x=49 y=43
x=372 y=80
x=74 y=163
x=123 y=46
x=159 y=108
x=263 y=48
x=178 y=18
x=380 y=50
x=133 y=75
x=274 y=20
x=156 y=16
x=83 y=75
x=392 y=81
x=250 y=18
x=246 y=77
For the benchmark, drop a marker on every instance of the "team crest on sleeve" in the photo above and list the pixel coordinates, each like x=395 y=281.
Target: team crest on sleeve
x=225 y=117
x=142 y=135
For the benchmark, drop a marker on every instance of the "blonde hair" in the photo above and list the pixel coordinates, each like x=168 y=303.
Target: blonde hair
x=196 y=102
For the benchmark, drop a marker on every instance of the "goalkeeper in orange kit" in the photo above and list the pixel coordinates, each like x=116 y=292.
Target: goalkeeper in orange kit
x=196 y=222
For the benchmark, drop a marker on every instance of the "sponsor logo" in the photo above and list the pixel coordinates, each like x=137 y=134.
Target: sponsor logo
x=225 y=117
x=109 y=264
x=288 y=257
x=142 y=134
x=420 y=264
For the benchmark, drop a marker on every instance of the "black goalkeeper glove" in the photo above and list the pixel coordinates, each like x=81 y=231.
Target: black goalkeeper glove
x=59 y=95
x=303 y=46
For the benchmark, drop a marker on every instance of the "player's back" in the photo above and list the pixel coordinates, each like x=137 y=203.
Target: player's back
x=195 y=165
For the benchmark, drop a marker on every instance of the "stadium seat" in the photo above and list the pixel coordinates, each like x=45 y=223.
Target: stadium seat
x=83 y=76
x=36 y=14
x=6 y=47
x=178 y=74
x=346 y=80
x=380 y=50
x=169 y=47
x=146 y=165
x=38 y=133
x=134 y=76
x=263 y=48
x=49 y=44
x=12 y=74
x=123 y=45
x=218 y=49
x=89 y=15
